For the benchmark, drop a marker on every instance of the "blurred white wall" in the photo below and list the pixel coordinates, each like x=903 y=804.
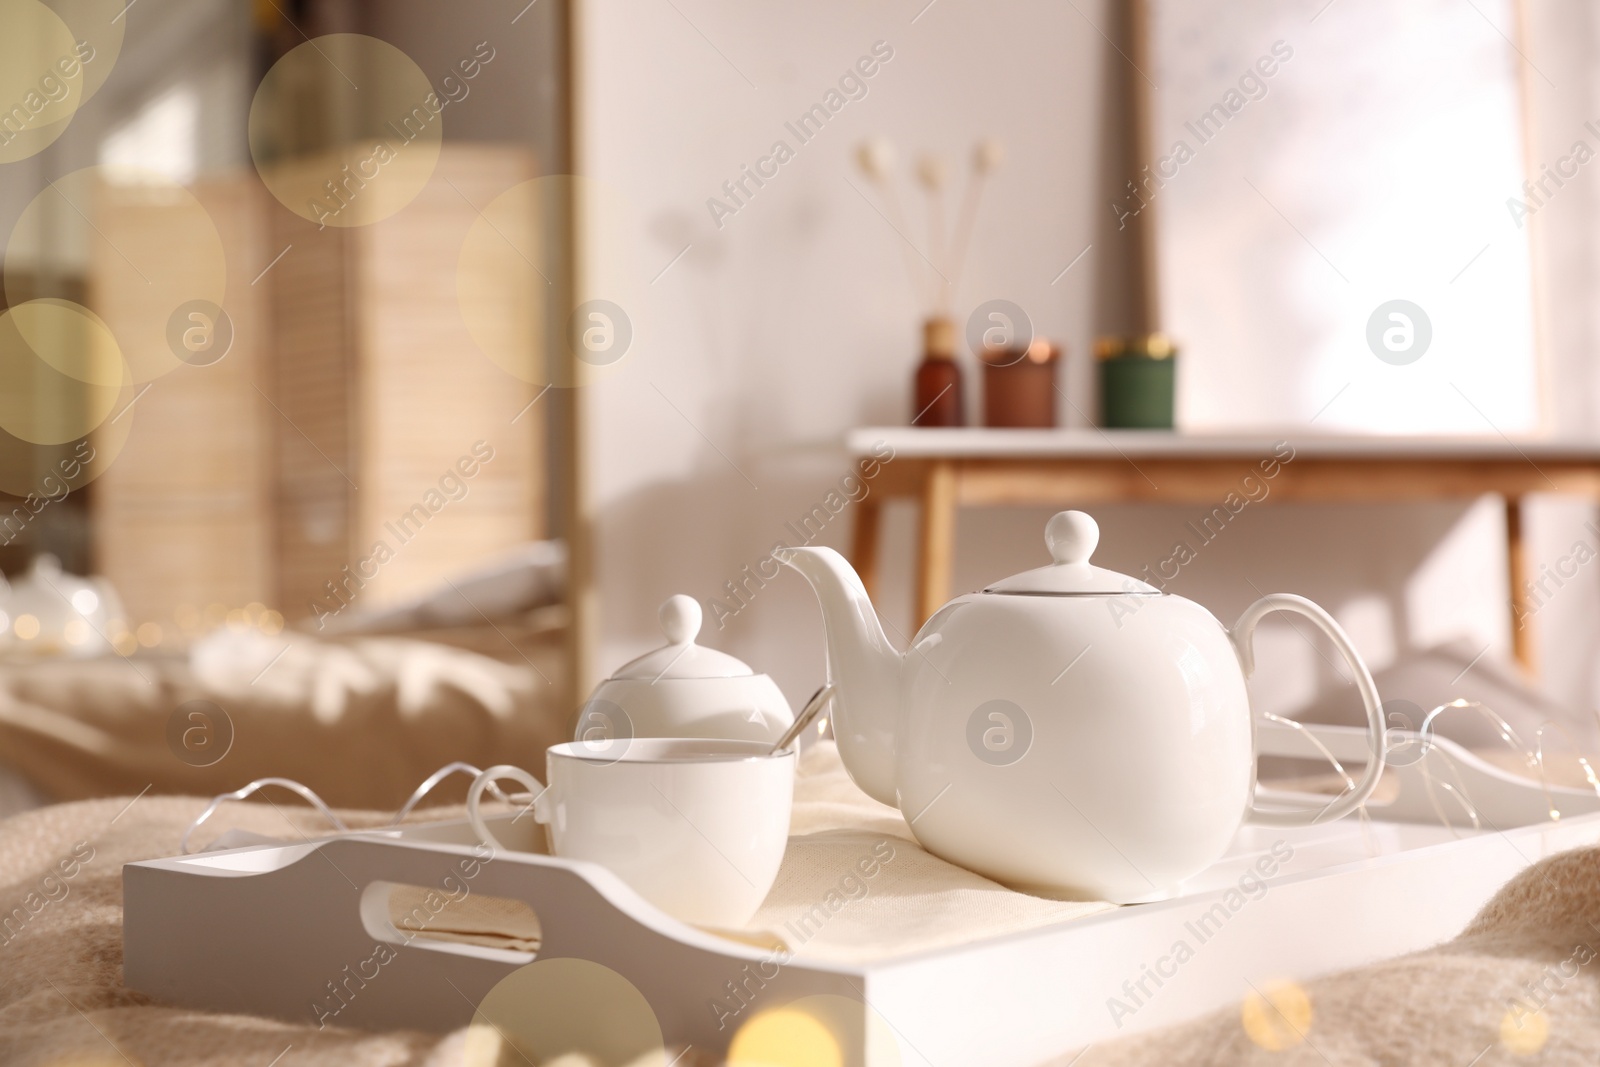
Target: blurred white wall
x=794 y=321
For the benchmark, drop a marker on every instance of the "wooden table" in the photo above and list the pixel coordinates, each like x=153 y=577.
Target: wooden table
x=946 y=469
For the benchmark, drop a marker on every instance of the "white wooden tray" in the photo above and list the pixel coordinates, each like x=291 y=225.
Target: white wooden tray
x=264 y=929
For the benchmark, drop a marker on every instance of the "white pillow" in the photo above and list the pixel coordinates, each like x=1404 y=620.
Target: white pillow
x=529 y=576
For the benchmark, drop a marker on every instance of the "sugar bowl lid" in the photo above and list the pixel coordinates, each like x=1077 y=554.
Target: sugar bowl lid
x=1072 y=537
x=680 y=657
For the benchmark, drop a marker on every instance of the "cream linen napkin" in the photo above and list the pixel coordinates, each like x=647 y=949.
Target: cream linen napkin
x=855 y=887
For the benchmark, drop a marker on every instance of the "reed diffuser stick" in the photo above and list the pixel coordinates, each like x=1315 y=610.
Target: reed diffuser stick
x=876 y=159
x=987 y=156
x=931 y=175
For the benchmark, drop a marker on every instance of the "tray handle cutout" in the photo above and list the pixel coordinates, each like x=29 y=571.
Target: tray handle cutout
x=452 y=918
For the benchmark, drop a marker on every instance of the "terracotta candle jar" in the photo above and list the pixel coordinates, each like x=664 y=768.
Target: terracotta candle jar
x=1019 y=385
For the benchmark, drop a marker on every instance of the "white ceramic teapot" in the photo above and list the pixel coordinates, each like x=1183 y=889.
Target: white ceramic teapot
x=1070 y=729
x=684 y=689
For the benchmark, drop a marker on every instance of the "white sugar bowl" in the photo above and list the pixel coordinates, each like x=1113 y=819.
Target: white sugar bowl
x=684 y=689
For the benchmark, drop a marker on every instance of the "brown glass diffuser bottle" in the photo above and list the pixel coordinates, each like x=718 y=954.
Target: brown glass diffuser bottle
x=939 y=399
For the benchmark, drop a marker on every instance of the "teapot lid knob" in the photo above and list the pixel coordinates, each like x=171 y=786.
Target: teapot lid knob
x=680 y=618
x=1071 y=535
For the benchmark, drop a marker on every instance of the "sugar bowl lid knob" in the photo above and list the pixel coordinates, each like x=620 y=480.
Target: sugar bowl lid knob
x=1071 y=535
x=680 y=617
x=680 y=658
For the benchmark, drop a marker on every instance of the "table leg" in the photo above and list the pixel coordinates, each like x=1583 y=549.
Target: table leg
x=936 y=540
x=1522 y=634
x=864 y=543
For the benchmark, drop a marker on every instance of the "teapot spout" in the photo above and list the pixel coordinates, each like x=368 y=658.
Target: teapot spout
x=863 y=664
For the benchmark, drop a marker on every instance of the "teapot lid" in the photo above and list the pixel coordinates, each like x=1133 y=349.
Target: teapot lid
x=680 y=657
x=1072 y=537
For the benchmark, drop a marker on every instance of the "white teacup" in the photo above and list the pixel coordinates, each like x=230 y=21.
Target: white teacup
x=697 y=826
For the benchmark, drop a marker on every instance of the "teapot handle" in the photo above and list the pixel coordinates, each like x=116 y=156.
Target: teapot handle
x=1244 y=630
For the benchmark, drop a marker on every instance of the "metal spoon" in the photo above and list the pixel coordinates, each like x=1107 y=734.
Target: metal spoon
x=818 y=701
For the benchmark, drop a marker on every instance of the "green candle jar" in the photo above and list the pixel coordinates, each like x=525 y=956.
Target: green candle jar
x=1138 y=380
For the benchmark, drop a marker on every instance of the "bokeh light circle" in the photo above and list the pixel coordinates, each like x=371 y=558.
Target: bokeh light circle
x=41 y=78
x=345 y=130
x=564 y=1007
x=149 y=247
x=519 y=299
x=1524 y=1033
x=70 y=344
x=72 y=339
x=97 y=28
x=54 y=57
x=825 y=1030
x=785 y=1037
x=1278 y=1017
x=63 y=379
x=44 y=474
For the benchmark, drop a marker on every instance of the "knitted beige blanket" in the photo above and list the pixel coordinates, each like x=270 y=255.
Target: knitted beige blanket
x=1517 y=986
x=62 y=1000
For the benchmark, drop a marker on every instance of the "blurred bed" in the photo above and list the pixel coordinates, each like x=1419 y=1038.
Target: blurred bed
x=475 y=671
